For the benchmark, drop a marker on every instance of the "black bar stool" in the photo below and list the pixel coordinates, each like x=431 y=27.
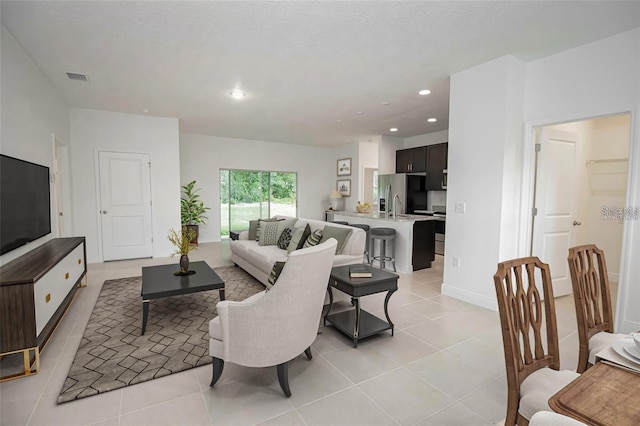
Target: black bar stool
x=384 y=235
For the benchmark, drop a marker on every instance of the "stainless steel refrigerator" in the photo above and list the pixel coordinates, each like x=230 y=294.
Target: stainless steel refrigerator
x=388 y=187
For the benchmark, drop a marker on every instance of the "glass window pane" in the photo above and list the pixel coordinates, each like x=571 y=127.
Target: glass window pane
x=248 y=195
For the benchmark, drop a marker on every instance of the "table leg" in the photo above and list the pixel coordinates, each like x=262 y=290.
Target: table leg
x=356 y=330
x=386 y=310
x=324 y=320
x=221 y=291
x=145 y=315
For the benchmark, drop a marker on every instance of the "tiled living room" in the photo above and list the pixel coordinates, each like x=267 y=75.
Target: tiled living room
x=192 y=90
x=443 y=366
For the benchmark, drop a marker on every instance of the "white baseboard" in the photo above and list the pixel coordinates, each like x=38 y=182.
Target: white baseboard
x=470 y=297
x=628 y=327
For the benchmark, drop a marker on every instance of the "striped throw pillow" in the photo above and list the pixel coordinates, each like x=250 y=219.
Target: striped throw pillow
x=313 y=239
x=275 y=273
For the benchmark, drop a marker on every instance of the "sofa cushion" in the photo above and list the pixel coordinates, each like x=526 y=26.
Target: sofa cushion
x=263 y=257
x=298 y=238
x=313 y=239
x=285 y=238
x=340 y=234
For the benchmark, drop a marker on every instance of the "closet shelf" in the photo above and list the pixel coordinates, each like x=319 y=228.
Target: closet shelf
x=607 y=176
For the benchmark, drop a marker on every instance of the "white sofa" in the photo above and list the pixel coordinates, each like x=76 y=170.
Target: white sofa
x=258 y=260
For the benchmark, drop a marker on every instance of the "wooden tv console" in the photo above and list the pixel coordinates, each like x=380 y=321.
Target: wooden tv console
x=35 y=291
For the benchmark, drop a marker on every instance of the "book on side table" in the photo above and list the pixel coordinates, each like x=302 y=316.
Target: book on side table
x=360 y=271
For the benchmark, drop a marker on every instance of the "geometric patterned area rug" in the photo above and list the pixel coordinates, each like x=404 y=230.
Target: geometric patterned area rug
x=113 y=354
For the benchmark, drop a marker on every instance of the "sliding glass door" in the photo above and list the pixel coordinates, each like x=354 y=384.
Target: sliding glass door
x=248 y=194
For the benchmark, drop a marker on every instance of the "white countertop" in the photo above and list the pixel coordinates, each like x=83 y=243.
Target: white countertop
x=381 y=216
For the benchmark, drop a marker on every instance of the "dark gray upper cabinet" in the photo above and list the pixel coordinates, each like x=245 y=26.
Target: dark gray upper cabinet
x=436 y=178
x=411 y=160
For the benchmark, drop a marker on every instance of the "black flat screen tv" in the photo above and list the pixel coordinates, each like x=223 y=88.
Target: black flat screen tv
x=25 y=207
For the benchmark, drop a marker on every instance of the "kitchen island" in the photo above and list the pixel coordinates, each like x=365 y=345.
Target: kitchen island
x=415 y=236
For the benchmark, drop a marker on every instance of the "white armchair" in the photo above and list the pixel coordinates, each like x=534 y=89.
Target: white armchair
x=273 y=327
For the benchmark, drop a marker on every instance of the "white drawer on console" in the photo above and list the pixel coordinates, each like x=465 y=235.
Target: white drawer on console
x=53 y=287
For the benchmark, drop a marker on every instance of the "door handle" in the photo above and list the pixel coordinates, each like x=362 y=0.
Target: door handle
x=104 y=211
x=576 y=223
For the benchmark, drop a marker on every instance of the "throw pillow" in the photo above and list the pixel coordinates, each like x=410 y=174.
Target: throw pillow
x=313 y=239
x=253 y=229
x=257 y=236
x=268 y=233
x=285 y=238
x=340 y=234
x=275 y=274
x=299 y=237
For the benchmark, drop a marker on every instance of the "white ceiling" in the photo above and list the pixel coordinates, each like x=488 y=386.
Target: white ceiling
x=308 y=67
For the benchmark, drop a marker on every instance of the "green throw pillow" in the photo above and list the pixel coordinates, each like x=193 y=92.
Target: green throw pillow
x=299 y=237
x=313 y=239
x=340 y=234
x=275 y=274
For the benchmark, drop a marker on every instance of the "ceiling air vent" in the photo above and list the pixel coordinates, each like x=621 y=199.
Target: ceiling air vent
x=77 y=76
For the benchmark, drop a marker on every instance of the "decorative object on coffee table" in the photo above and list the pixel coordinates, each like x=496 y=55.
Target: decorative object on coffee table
x=182 y=242
x=192 y=209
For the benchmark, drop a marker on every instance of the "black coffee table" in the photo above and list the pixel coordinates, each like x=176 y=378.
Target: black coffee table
x=358 y=323
x=159 y=281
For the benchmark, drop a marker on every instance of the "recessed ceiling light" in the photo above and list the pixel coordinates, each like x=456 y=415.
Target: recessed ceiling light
x=393 y=129
x=339 y=120
x=237 y=94
x=424 y=92
x=385 y=103
x=359 y=112
x=432 y=120
x=144 y=110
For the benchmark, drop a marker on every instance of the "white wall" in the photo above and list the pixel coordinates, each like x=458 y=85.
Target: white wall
x=426 y=139
x=596 y=79
x=387 y=147
x=367 y=159
x=202 y=157
x=31 y=112
x=484 y=136
x=93 y=131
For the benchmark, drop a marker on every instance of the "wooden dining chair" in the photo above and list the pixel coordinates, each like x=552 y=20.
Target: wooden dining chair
x=530 y=338
x=592 y=298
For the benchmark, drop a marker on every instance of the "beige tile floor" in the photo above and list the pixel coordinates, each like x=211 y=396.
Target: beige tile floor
x=444 y=366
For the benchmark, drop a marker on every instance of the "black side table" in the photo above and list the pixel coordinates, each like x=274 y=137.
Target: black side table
x=234 y=235
x=358 y=323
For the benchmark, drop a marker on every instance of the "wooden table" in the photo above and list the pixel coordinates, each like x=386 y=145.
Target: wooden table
x=602 y=395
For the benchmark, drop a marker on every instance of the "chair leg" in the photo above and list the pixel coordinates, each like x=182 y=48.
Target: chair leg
x=283 y=378
x=218 y=365
x=307 y=352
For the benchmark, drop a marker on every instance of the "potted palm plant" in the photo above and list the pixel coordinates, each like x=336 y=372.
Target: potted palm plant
x=192 y=209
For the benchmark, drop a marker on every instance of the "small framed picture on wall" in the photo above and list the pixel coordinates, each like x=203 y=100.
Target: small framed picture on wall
x=344 y=167
x=344 y=187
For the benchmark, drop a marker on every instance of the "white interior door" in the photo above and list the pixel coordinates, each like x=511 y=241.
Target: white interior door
x=555 y=201
x=125 y=205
